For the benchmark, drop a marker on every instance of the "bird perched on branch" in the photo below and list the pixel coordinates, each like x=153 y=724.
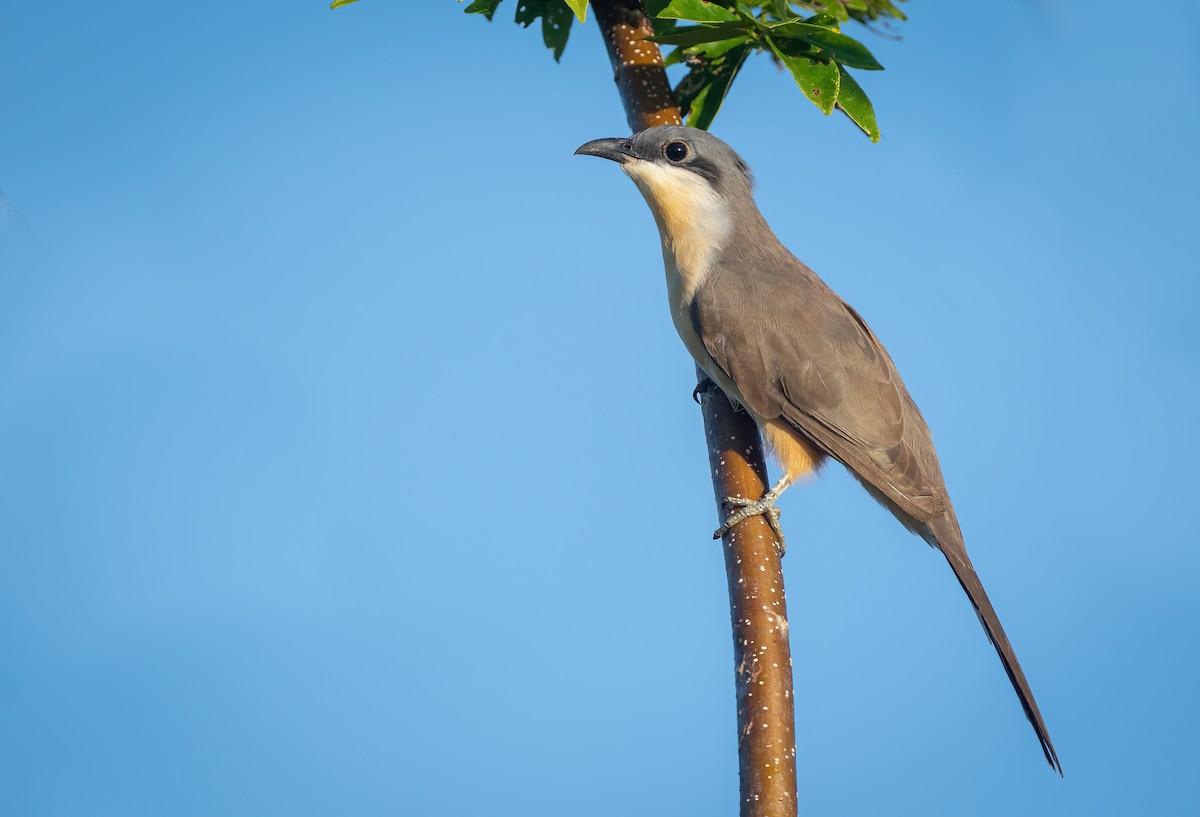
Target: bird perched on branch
x=781 y=344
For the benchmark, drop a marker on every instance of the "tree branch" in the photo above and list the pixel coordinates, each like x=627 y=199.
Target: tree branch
x=637 y=64
x=758 y=608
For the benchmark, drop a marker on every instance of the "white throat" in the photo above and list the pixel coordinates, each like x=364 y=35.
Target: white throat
x=693 y=222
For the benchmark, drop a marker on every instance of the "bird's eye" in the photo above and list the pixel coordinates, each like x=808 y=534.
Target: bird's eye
x=676 y=151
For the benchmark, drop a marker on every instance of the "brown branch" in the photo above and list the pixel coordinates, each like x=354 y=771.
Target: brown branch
x=637 y=64
x=758 y=609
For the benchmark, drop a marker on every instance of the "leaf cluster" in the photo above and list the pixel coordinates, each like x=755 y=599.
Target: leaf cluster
x=556 y=16
x=715 y=37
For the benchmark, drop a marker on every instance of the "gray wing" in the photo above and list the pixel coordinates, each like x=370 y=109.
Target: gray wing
x=800 y=354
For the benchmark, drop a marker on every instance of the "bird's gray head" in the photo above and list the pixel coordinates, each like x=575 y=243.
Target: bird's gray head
x=696 y=185
x=671 y=148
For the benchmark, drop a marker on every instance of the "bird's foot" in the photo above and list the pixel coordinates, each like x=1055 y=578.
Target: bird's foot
x=747 y=508
x=708 y=385
x=703 y=387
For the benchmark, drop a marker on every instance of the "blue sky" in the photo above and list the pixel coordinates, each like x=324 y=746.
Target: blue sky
x=349 y=466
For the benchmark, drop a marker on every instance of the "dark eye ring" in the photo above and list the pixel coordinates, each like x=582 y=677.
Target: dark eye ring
x=676 y=151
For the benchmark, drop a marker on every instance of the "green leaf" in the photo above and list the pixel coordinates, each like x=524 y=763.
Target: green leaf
x=818 y=79
x=695 y=35
x=556 y=27
x=485 y=7
x=824 y=21
x=528 y=11
x=337 y=4
x=781 y=9
x=844 y=49
x=833 y=8
x=579 y=7
x=707 y=103
x=698 y=11
x=882 y=7
x=713 y=50
x=556 y=21
x=867 y=10
x=855 y=104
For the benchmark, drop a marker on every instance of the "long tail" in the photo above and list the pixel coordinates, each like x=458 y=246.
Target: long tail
x=949 y=541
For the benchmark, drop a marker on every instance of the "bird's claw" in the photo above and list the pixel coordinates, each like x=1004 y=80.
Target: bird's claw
x=747 y=508
x=703 y=387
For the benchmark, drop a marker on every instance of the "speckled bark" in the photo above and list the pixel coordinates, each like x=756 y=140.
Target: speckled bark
x=762 y=658
x=758 y=609
x=637 y=64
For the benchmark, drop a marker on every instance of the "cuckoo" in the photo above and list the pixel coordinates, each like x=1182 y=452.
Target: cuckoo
x=783 y=346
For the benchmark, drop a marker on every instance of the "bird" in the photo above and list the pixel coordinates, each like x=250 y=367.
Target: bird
x=784 y=347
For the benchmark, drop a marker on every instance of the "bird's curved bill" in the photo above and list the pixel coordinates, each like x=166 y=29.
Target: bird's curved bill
x=619 y=150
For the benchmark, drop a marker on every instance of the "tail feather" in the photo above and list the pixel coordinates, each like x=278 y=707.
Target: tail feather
x=948 y=539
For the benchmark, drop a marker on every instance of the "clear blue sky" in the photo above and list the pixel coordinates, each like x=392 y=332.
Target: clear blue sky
x=348 y=464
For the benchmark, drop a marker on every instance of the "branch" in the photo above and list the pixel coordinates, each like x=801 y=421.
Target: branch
x=637 y=64
x=758 y=609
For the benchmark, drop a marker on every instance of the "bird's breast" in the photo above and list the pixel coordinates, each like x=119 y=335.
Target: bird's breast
x=679 y=298
x=693 y=222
